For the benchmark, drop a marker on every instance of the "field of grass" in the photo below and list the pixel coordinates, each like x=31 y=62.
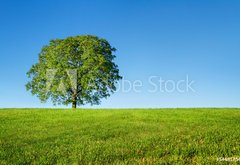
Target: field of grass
x=147 y=136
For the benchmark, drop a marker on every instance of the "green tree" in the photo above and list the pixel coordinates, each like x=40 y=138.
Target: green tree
x=76 y=70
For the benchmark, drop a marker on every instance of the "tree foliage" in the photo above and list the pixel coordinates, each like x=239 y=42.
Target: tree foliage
x=76 y=70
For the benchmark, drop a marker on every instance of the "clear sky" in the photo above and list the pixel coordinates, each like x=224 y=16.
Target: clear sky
x=171 y=39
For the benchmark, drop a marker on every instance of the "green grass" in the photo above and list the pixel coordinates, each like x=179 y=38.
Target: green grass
x=147 y=136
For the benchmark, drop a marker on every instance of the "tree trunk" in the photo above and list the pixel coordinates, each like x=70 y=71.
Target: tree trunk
x=74 y=101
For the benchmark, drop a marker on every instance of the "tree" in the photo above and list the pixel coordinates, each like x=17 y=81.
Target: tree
x=76 y=70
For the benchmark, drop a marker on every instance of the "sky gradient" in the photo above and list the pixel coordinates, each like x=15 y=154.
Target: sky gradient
x=168 y=39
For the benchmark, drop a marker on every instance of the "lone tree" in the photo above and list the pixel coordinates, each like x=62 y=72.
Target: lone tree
x=76 y=70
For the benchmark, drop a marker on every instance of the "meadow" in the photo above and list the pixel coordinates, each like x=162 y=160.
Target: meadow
x=123 y=136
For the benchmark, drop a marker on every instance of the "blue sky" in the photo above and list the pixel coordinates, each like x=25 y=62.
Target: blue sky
x=168 y=39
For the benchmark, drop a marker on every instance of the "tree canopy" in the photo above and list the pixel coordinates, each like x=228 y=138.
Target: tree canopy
x=75 y=70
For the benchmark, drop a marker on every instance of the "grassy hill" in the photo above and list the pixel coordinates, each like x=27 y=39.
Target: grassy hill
x=146 y=136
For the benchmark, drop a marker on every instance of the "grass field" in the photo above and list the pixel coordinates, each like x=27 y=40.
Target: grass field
x=147 y=136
